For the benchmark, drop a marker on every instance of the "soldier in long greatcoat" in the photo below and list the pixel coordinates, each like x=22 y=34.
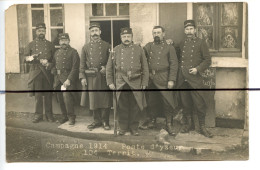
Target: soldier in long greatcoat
x=93 y=62
x=131 y=74
x=66 y=71
x=195 y=58
x=163 y=68
x=39 y=54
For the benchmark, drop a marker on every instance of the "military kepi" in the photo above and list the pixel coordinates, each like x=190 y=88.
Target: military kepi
x=64 y=36
x=94 y=24
x=189 y=23
x=40 y=25
x=126 y=30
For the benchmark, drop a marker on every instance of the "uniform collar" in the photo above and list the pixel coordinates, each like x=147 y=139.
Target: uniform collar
x=189 y=39
x=38 y=39
x=95 y=41
x=126 y=46
x=161 y=42
x=65 y=48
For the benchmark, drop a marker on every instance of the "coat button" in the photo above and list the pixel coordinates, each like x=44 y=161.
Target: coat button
x=159 y=52
x=122 y=58
x=183 y=51
x=157 y=63
x=191 y=55
x=181 y=66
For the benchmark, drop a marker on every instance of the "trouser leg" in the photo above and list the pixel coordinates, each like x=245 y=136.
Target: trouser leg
x=97 y=116
x=38 y=84
x=62 y=104
x=152 y=101
x=123 y=110
x=187 y=104
x=134 y=114
x=68 y=99
x=38 y=104
x=105 y=115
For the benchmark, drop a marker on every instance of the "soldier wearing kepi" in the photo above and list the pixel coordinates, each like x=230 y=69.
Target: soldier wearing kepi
x=93 y=62
x=131 y=73
x=195 y=58
x=163 y=68
x=39 y=54
x=66 y=72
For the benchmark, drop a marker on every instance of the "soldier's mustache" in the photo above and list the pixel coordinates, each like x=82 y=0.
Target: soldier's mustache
x=126 y=41
x=95 y=35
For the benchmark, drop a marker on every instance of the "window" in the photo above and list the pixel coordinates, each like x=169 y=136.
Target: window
x=220 y=24
x=110 y=9
x=52 y=16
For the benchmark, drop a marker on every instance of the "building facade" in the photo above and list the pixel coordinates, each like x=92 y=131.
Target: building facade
x=222 y=25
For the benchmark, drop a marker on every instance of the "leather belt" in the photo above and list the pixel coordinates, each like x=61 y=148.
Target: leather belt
x=158 y=71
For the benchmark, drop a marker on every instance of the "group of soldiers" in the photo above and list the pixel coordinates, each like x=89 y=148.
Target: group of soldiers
x=138 y=77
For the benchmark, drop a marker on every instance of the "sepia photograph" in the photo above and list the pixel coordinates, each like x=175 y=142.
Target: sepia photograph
x=126 y=82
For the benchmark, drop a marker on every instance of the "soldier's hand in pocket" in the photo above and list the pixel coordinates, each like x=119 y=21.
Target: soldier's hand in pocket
x=170 y=84
x=84 y=82
x=112 y=86
x=66 y=83
x=193 y=71
x=103 y=70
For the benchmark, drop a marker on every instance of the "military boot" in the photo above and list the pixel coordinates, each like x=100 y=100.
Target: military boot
x=169 y=128
x=203 y=129
x=152 y=123
x=105 y=118
x=37 y=118
x=50 y=118
x=187 y=126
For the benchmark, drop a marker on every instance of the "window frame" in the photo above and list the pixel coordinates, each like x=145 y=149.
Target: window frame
x=104 y=17
x=217 y=29
x=47 y=20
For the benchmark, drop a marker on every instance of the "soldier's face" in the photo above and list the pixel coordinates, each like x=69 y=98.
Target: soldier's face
x=95 y=33
x=40 y=33
x=64 y=43
x=158 y=34
x=127 y=39
x=190 y=31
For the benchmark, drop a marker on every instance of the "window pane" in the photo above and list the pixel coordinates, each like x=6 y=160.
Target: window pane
x=229 y=37
x=34 y=33
x=111 y=10
x=55 y=5
x=123 y=9
x=56 y=17
x=204 y=14
x=206 y=33
x=55 y=36
x=229 y=14
x=37 y=5
x=97 y=9
x=37 y=17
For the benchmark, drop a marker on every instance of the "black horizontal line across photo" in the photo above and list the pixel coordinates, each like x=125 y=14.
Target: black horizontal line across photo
x=120 y=90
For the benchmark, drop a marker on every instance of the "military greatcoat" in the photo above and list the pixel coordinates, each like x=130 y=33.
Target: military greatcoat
x=163 y=67
x=45 y=50
x=131 y=68
x=94 y=55
x=66 y=66
x=194 y=54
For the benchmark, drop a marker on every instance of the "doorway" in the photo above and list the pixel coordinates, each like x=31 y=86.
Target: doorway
x=106 y=33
